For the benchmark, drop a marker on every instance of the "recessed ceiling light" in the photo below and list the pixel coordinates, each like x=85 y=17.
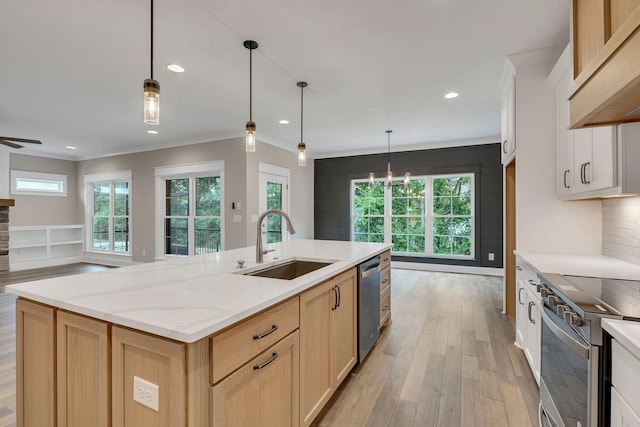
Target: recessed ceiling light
x=284 y=122
x=152 y=132
x=175 y=68
x=70 y=147
x=451 y=95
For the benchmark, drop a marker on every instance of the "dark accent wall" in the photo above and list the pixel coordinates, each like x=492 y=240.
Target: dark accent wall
x=333 y=182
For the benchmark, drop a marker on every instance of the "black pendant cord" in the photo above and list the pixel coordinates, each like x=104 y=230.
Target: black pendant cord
x=388 y=148
x=250 y=83
x=301 y=111
x=151 y=39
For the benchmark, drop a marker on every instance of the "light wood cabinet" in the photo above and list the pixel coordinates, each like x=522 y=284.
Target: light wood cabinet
x=385 y=288
x=263 y=392
x=83 y=382
x=328 y=341
x=157 y=360
x=35 y=364
x=606 y=64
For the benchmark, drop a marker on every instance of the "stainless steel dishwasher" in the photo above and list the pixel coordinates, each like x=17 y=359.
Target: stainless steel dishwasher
x=368 y=305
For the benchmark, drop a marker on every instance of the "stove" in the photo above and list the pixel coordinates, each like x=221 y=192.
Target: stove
x=575 y=355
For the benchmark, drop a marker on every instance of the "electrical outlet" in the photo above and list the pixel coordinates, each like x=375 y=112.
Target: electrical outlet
x=492 y=257
x=237 y=218
x=146 y=393
x=144 y=252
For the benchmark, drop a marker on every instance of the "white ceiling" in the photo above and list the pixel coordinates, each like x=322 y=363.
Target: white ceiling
x=71 y=71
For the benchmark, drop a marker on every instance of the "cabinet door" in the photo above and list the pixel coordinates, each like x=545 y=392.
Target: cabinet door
x=83 y=371
x=532 y=350
x=316 y=363
x=264 y=392
x=35 y=364
x=603 y=174
x=344 y=327
x=582 y=156
x=508 y=119
x=565 y=172
x=156 y=360
x=521 y=313
x=621 y=413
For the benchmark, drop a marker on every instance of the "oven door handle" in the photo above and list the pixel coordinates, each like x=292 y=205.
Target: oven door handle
x=542 y=413
x=575 y=345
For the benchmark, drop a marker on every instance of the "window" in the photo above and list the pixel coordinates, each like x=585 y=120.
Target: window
x=432 y=217
x=109 y=205
x=192 y=200
x=189 y=209
x=38 y=183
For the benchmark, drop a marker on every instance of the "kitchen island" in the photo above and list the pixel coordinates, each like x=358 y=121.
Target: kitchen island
x=190 y=341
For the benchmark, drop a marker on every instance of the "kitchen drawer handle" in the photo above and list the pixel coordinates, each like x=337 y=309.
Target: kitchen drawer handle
x=335 y=294
x=564 y=178
x=582 y=173
x=385 y=308
x=257 y=366
x=518 y=268
x=532 y=282
x=520 y=296
x=274 y=328
x=531 y=304
x=504 y=146
x=385 y=280
x=385 y=259
x=339 y=296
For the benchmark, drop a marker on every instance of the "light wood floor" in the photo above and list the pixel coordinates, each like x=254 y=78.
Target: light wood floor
x=11 y=277
x=447 y=359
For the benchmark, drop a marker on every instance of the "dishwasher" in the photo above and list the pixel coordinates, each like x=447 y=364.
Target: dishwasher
x=368 y=306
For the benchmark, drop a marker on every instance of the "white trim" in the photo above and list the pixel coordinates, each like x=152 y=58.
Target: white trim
x=273 y=169
x=448 y=268
x=61 y=179
x=108 y=176
x=188 y=169
x=110 y=259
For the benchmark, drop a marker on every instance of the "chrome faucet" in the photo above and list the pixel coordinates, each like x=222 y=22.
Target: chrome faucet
x=259 y=250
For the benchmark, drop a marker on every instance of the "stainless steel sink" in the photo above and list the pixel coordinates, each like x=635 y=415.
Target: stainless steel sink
x=289 y=270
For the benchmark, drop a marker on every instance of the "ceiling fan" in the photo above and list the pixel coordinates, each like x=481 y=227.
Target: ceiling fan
x=11 y=142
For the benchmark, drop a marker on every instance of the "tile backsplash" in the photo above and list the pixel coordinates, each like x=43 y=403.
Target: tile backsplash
x=621 y=229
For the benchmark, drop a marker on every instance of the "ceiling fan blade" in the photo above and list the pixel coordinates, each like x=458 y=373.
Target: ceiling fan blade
x=29 y=141
x=10 y=144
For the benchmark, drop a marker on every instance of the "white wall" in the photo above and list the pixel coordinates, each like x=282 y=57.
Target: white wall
x=544 y=223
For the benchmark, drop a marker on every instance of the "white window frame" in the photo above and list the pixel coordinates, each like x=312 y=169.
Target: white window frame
x=18 y=175
x=106 y=178
x=428 y=218
x=193 y=170
x=267 y=171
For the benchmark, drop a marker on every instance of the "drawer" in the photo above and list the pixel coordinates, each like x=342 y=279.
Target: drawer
x=385 y=280
x=385 y=307
x=240 y=343
x=385 y=259
x=621 y=413
x=625 y=375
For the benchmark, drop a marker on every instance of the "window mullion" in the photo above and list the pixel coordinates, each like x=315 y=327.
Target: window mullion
x=191 y=219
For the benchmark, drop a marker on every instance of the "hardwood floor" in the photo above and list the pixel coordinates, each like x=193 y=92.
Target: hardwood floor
x=447 y=359
x=11 y=277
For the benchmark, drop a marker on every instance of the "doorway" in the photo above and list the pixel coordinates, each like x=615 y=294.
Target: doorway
x=274 y=194
x=510 y=238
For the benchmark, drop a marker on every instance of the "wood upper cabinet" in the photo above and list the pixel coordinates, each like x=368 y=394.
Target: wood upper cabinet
x=35 y=364
x=606 y=63
x=84 y=385
x=328 y=341
x=263 y=392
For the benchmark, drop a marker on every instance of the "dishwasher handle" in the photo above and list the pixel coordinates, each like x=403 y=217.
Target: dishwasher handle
x=370 y=268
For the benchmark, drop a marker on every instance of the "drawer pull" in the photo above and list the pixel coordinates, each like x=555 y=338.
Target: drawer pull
x=533 y=282
x=257 y=366
x=385 y=259
x=264 y=334
x=385 y=280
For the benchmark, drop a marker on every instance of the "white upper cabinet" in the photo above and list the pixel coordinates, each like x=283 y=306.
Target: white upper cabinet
x=591 y=162
x=508 y=116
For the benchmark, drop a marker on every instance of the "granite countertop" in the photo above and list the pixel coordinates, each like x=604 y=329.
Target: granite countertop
x=581 y=265
x=187 y=299
x=625 y=332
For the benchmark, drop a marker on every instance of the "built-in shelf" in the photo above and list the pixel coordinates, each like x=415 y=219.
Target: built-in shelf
x=44 y=246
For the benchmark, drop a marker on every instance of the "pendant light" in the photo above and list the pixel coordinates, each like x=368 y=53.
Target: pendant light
x=389 y=174
x=250 y=133
x=371 y=180
x=151 y=90
x=302 y=148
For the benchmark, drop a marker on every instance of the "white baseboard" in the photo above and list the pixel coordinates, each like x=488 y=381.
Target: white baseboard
x=108 y=259
x=486 y=271
x=41 y=263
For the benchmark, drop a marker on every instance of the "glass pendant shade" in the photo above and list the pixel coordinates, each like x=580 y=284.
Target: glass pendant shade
x=389 y=176
x=407 y=178
x=302 y=154
x=371 y=181
x=151 y=102
x=250 y=137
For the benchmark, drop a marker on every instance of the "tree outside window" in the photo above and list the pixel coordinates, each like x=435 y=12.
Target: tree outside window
x=452 y=216
x=368 y=212
x=110 y=219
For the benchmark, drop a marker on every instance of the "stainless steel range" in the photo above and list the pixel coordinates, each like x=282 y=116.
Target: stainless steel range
x=575 y=356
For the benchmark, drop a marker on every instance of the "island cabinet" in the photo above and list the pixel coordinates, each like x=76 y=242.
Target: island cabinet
x=606 y=42
x=328 y=341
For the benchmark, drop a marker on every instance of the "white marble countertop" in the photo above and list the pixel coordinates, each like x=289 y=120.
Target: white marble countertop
x=581 y=265
x=626 y=332
x=187 y=299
